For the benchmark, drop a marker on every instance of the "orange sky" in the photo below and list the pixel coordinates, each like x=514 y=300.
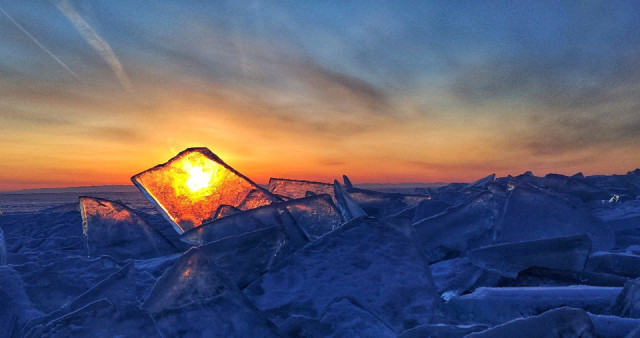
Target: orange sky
x=299 y=92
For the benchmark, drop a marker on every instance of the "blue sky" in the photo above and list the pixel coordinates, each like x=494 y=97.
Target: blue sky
x=385 y=90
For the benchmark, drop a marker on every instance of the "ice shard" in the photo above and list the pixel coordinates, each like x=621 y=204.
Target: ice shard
x=531 y=214
x=298 y=188
x=190 y=187
x=113 y=229
x=101 y=319
x=498 y=305
x=458 y=276
x=620 y=264
x=305 y=218
x=348 y=207
x=562 y=322
x=458 y=229
x=563 y=253
x=193 y=298
x=347 y=181
x=365 y=261
x=342 y=318
x=225 y=210
x=628 y=302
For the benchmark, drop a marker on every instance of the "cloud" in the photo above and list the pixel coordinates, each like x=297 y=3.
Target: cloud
x=39 y=44
x=96 y=41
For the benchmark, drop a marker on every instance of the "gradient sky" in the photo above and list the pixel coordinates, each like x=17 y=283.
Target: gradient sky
x=92 y=92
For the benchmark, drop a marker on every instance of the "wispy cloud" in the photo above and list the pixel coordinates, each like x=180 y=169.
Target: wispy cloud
x=38 y=43
x=96 y=41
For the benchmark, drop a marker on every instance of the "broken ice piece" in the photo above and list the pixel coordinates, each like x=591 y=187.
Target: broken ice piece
x=225 y=210
x=190 y=187
x=498 y=305
x=298 y=188
x=348 y=207
x=562 y=322
x=628 y=302
x=3 y=249
x=562 y=253
x=111 y=228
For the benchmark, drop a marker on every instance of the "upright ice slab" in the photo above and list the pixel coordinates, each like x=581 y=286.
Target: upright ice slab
x=111 y=228
x=190 y=187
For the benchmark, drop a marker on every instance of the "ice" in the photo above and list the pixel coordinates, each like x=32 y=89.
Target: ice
x=459 y=229
x=442 y=331
x=481 y=183
x=628 y=302
x=532 y=214
x=342 y=318
x=613 y=326
x=101 y=319
x=562 y=322
x=3 y=249
x=113 y=229
x=225 y=210
x=191 y=186
x=347 y=182
x=379 y=204
x=364 y=260
x=303 y=219
x=16 y=308
x=244 y=258
x=498 y=305
x=563 y=253
x=428 y=208
x=8 y=316
x=119 y=288
x=621 y=264
x=194 y=298
x=298 y=188
x=348 y=207
x=456 y=276
x=536 y=276
x=315 y=215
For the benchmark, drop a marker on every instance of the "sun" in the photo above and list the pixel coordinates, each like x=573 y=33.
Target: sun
x=198 y=178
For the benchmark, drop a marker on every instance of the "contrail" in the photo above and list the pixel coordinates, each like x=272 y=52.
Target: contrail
x=95 y=40
x=39 y=44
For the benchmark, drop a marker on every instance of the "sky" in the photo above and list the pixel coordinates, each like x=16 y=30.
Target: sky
x=93 y=92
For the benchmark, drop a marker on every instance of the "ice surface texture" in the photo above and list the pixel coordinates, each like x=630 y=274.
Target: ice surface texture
x=115 y=230
x=190 y=187
x=364 y=260
x=503 y=256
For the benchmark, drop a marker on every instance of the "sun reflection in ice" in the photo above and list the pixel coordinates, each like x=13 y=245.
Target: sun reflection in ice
x=198 y=177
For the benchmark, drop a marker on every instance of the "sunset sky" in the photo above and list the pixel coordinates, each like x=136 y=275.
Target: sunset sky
x=93 y=92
